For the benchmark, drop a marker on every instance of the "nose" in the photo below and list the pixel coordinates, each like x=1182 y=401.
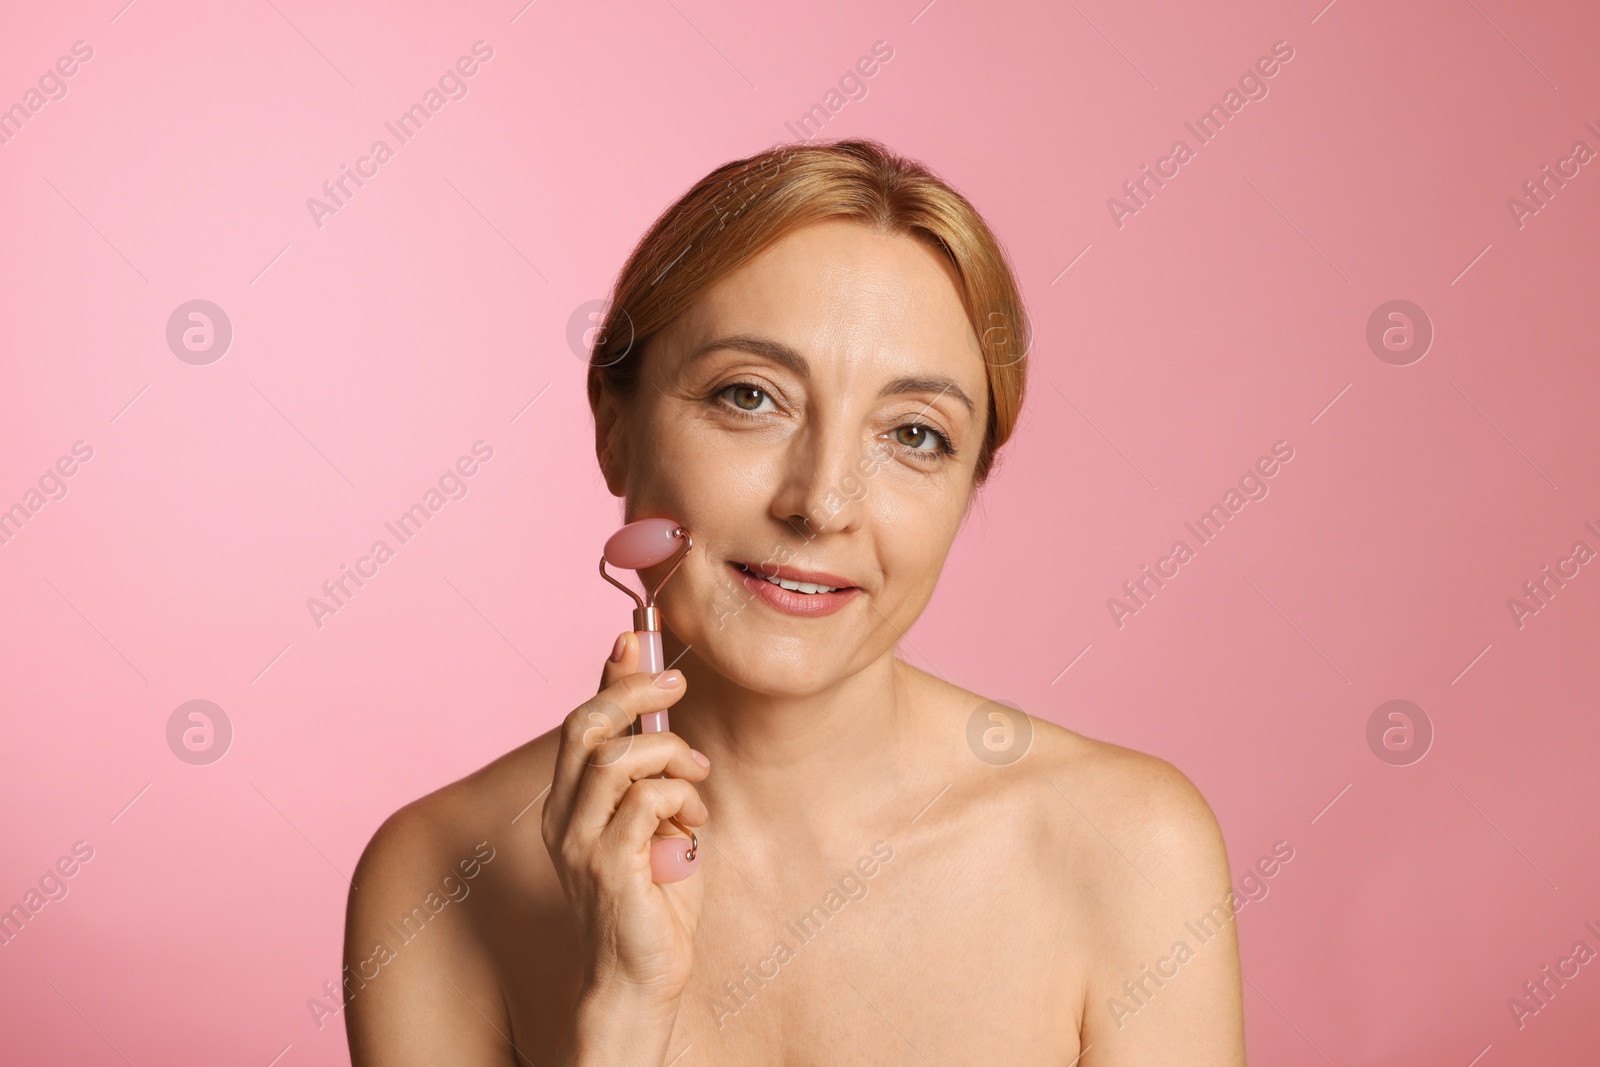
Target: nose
x=821 y=488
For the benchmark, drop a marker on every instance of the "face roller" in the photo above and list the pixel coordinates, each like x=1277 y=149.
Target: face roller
x=634 y=547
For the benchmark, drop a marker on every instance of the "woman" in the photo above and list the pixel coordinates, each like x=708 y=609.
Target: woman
x=810 y=362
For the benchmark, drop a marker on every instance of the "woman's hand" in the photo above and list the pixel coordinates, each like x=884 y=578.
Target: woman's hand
x=603 y=810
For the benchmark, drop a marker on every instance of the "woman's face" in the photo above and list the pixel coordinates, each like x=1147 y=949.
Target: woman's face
x=793 y=418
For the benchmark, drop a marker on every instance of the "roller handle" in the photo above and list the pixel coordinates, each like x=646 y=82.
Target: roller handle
x=651 y=662
x=672 y=859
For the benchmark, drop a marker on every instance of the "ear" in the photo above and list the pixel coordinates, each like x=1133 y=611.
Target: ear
x=610 y=443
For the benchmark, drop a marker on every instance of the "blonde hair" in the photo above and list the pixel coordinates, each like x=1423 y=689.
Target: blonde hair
x=743 y=207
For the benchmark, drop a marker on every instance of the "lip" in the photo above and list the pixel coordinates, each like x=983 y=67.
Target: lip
x=795 y=574
x=805 y=605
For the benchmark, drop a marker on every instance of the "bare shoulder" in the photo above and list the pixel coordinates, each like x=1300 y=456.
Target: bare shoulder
x=1143 y=869
x=1147 y=801
x=431 y=894
x=1122 y=839
x=1138 y=802
x=494 y=804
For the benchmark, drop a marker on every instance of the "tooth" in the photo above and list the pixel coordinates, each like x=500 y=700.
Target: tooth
x=800 y=587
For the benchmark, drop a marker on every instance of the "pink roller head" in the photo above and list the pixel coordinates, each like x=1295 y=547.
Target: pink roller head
x=636 y=546
x=670 y=860
x=643 y=544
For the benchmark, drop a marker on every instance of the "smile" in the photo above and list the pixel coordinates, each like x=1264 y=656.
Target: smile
x=822 y=595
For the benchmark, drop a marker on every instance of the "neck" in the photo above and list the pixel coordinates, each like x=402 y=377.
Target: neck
x=821 y=767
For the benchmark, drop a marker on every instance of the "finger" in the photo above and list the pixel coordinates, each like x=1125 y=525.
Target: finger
x=621 y=762
x=608 y=714
x=648 y=802
x=614 y=670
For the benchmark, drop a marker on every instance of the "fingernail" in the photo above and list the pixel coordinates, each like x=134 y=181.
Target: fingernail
x=699 y=757
x=619 y=648
x=669 y=680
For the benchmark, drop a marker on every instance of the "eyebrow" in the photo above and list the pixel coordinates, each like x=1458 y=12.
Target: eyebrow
x=782 y=354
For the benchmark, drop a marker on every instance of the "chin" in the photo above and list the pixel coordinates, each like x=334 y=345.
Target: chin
x=791 y=666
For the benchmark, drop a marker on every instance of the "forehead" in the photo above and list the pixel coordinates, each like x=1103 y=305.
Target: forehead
x=849 y=297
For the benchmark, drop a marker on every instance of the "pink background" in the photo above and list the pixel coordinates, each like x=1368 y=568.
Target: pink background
x=368 y=354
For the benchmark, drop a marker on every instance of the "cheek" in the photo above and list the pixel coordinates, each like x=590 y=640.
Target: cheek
x=913 y=526
x=918 y=507
x=672 y=466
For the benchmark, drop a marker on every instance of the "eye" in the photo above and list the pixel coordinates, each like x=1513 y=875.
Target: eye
x=746 y=398
x=918 y=437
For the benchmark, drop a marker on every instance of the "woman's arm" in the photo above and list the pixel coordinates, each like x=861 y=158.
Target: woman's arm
x=430 y=999
x=422 y=986
x=1166 y=985
x=434 y=999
